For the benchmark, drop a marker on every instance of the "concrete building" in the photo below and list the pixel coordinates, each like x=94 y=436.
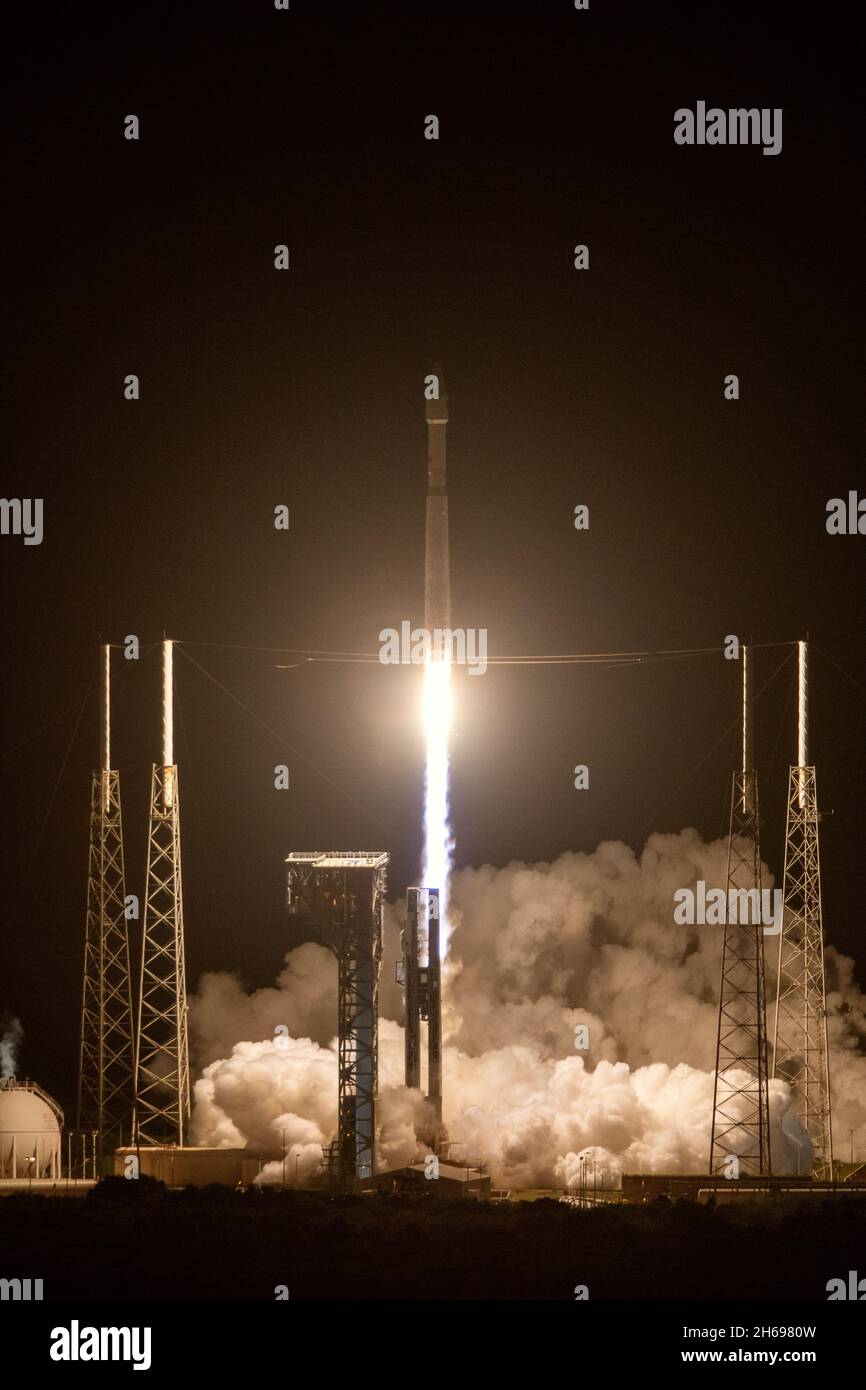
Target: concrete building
x=181 y=1167
x=454 y=1180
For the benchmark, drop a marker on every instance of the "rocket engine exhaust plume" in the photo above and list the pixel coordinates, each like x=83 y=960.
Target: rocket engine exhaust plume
x=438 y=844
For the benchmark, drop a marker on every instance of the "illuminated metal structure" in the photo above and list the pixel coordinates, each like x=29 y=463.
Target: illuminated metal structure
x=162 y=1100
x=107 y=1051
x=337 y=899
x=420 y=974
x=800 y=1051
x=741 y=1114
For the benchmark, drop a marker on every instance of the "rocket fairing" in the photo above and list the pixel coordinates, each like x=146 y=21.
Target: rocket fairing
x=437 y=575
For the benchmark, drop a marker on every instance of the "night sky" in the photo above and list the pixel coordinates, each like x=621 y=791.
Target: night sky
x=603 y=387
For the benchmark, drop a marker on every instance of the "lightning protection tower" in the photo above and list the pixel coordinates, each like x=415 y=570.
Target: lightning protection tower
x=106 y=1056
x=162 y=1100
x=741 y=1120
x=800 y=1052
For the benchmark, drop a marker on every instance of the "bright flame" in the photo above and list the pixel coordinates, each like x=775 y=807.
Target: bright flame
x=438 y=844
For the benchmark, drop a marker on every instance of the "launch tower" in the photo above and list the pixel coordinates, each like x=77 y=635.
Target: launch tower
x=337 y=899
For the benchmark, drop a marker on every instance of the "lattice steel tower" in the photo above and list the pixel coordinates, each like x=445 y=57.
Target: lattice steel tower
x=106 y=1057
x=800 y=1051
x=741 y=1117
x=162 y=1101
x=338 y=899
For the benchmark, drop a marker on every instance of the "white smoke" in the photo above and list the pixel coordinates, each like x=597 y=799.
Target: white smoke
x=537 y=950
x=281 y=1094
x=11 y=1035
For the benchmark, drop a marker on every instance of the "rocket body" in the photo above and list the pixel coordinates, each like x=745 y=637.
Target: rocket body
x=437 y=575
x=423 y=982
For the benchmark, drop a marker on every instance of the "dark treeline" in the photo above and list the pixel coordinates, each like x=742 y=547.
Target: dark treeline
x=139 y=1241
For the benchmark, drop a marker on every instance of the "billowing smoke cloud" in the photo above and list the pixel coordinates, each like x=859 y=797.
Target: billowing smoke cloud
x=11 y=1036
x=538 y=951
x=281 y=1094
x=302 y=1002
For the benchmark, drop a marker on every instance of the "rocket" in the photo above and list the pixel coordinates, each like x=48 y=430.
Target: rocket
x=420 y=970
x=437 y=576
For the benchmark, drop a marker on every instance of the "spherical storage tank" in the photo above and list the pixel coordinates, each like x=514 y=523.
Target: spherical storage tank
x=30 y=1124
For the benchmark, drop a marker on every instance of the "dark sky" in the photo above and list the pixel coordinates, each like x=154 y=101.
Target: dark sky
x=603 y=387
